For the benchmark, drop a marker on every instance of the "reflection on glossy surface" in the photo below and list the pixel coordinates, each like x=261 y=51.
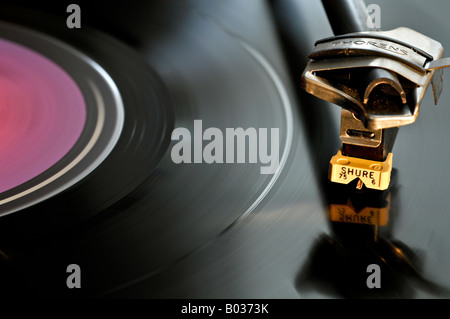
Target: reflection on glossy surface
x=361 y=223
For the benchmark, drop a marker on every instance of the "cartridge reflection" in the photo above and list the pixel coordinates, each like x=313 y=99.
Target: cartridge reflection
x=361 y=224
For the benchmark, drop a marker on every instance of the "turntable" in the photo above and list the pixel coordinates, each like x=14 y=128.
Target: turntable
x=169 y=150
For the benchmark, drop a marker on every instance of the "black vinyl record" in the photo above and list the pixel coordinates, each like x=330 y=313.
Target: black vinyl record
x=140 y=225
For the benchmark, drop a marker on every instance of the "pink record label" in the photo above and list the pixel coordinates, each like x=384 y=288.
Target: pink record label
x=42 y=114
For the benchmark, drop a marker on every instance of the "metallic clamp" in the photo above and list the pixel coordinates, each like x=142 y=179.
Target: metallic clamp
x=333 y=74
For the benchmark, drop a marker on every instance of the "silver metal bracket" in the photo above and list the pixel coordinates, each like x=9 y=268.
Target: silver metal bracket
x=353 y=132
x=413 y=59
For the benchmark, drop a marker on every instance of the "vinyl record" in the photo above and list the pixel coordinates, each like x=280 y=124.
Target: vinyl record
x=138 y=180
